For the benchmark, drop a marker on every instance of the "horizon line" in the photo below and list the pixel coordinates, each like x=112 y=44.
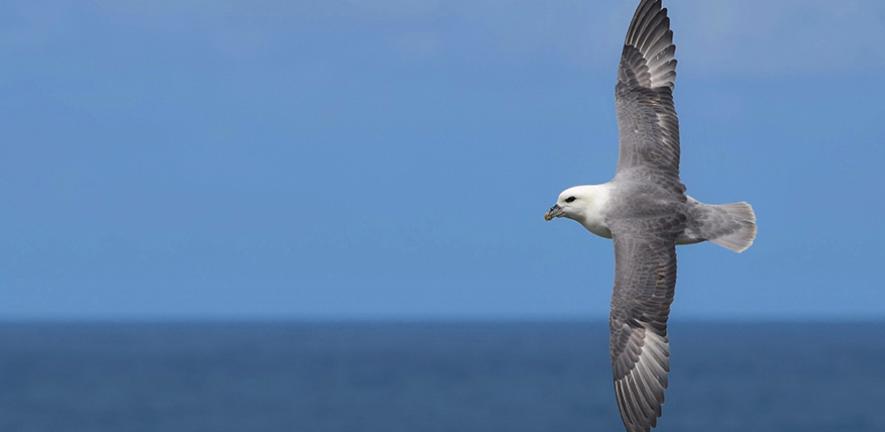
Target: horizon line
x=416 y=319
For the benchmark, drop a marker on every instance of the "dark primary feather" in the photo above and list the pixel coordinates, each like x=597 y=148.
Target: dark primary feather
x=649 y=127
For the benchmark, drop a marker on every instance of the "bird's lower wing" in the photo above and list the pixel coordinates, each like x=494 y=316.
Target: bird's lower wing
x=645 y=278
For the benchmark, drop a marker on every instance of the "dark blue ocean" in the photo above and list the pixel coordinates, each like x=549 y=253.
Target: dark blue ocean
x=412 y=377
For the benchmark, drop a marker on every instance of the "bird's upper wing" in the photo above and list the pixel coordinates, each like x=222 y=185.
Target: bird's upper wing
x=645 y=278
x=649 y=128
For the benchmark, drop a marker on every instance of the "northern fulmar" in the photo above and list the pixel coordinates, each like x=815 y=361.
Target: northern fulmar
x=645 y=211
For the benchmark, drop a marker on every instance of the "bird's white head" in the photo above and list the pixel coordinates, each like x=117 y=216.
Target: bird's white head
x=584 y=204
x=572 y=203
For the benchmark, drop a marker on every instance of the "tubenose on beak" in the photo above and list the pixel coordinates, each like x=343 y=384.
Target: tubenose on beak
x=554 y=212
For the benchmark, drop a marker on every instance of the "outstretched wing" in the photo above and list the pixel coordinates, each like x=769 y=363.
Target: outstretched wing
x=649 y=127
x=645 y=278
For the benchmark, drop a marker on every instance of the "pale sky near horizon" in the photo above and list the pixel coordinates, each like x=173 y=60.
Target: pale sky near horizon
x=394 y=158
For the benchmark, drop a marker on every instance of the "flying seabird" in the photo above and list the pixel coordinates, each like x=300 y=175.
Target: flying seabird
x=645 y=210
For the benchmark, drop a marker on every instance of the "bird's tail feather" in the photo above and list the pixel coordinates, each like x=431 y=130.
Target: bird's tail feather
x=732 y=226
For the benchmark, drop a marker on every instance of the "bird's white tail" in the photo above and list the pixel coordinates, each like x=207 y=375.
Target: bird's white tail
x=733 y=226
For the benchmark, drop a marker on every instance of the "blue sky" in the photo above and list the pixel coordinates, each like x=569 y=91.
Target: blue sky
x=394 y=158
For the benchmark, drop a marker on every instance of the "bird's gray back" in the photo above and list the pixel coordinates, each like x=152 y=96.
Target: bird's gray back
x=649 y=194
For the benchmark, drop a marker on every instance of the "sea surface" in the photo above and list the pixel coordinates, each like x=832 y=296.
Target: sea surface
x=414 y=377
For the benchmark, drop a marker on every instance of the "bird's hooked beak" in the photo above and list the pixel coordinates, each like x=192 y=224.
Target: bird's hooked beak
x=554 y=212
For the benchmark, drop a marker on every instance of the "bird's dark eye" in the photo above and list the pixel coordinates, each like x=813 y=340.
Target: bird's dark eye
x=570 y=199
